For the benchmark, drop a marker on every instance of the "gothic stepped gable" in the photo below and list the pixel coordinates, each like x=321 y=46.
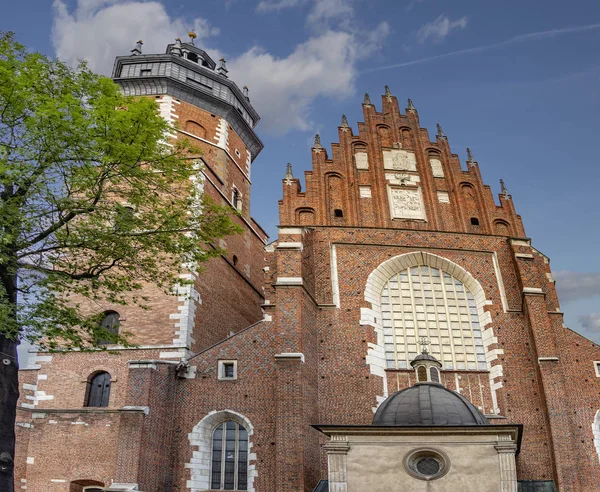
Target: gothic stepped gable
x=392 y=175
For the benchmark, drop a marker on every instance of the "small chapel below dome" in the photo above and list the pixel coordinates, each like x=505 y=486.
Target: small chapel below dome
x=426 y=438
x=428 y=404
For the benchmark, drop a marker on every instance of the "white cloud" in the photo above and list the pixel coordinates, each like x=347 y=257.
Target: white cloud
x=324 y=11
x=440 y=28
x=282 y=89
x=321 y=14
x=99 y=30
x=276 y=5
x=573 y=286
x=590 y=322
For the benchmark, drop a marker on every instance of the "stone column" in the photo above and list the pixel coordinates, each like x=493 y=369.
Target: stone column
x=337 y=460
x=508 y=468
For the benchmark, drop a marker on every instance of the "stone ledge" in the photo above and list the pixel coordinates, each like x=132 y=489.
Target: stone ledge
x=42 y=411
x=293 y=245
x=290 y=356
x=289 y=281
x=533 y=290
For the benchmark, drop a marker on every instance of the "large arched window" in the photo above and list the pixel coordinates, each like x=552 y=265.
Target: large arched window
x=427 y=302
x=110 y=322
x=98 y=390
x=229 y=457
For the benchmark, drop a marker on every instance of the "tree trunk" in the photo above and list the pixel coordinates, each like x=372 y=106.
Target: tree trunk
x=9 y=389
x=9 y=394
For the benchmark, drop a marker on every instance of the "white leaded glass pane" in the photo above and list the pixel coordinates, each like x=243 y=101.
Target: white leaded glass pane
x=431 y=301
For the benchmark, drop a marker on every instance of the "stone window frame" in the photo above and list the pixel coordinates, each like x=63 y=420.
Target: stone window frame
x=597 y=368
x=221 y=370
x=236 y=198
x=201 y=441
x=372 y=316
x=411 y=458
x=596 y=433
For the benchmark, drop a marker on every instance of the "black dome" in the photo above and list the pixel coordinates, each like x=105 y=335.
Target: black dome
x=424 y=356
x=427 y=404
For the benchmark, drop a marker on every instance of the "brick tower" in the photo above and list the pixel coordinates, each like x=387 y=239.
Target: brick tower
x=392 y=245
x=208 y=108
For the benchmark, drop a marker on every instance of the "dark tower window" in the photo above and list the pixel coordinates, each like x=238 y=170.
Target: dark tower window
x=98 y=390
x=236 y=199
x=110 y=322
x=434 y=375
x=193 y=57
x=229 y=457
x=474 y=221
x=228 y=370
x=338 y=213
x=235 y=260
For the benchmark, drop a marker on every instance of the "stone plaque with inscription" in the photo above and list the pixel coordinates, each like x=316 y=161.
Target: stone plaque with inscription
x=443 y=197
x=436 y=168
x=362 y=160
x=406 y=203
x=399 y=160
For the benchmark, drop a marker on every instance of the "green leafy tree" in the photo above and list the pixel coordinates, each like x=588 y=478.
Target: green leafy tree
x=95 y=202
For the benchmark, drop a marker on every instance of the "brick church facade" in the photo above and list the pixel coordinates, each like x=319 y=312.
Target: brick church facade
x=392 y=244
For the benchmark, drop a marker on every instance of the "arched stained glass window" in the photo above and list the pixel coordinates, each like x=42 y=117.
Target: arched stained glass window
x=229 y=457
x=426 y=302
x=422 y=373
x=434 y=375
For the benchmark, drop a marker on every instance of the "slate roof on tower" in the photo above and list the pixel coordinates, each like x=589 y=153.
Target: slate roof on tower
x=188 y=73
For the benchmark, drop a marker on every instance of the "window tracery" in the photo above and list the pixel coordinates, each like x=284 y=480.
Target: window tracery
x=229 y=469
x=424 y=301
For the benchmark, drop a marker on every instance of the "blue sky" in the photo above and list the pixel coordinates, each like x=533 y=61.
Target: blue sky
x=515 y=81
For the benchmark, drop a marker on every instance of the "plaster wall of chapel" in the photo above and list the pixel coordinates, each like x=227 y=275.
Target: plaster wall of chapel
x=376 y=463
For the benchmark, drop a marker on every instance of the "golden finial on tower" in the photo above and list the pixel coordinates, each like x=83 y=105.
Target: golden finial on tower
x=192 y=36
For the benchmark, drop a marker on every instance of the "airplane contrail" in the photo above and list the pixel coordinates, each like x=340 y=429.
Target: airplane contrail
x=478 y=49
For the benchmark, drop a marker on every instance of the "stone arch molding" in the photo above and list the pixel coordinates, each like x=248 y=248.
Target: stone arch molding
x=201 y=442
x=372 y=316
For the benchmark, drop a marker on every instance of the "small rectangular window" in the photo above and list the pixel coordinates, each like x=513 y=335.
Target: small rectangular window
x=227 y=370
x=145 y=71
x=597 y=368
